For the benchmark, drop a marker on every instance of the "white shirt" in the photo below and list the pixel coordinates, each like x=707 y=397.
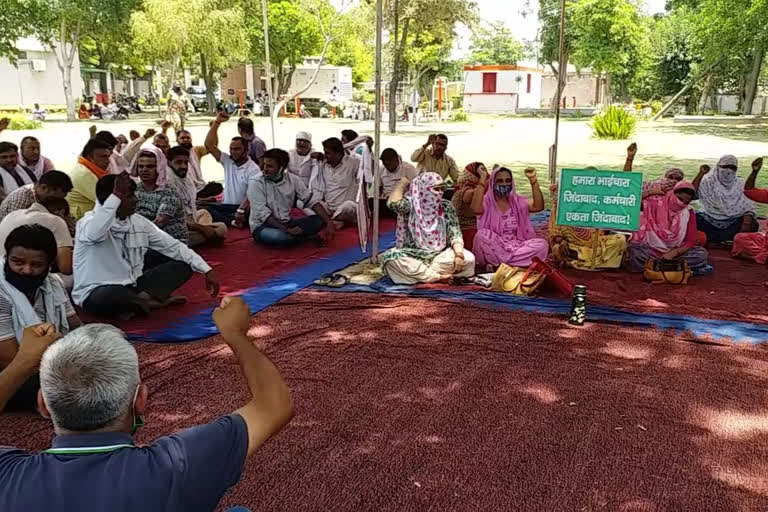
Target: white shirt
x=100 y=258
x=300 y=166
x=389 y=180
x=236 y=178
x=35 y=214
x=335 y=185
x=276 y=199
x=9 y=182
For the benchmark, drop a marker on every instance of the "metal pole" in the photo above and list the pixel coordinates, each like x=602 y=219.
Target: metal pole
x=377 y=135
x=561 y=74
x=267 y=67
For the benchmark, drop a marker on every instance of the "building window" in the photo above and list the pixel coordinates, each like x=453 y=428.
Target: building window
x=528 y=85
x=489 y=82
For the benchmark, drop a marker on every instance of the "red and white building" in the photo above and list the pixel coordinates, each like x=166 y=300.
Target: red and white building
x=502 y=88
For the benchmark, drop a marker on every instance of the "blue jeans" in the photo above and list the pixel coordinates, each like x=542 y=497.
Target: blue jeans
x=238 y=509
x=267 y=235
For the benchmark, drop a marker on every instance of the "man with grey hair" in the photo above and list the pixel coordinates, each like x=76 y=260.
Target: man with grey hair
x=90 y=388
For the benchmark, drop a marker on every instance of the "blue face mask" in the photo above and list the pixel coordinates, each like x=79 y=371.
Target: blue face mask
x=502 y=190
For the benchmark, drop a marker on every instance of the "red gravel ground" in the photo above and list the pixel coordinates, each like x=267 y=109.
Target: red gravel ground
x=426 y=405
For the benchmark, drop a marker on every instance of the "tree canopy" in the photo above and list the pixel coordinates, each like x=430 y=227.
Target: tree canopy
x=495 y=44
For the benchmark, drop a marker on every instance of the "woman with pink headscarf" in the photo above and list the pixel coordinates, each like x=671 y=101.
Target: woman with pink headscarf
x=157 y=201
x=504 y=230
x=667 y=230
x=429 y=246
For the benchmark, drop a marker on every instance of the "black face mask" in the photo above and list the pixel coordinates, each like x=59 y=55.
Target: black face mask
x=28 y=285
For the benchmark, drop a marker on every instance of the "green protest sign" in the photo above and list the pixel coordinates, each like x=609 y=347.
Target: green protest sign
x=599 y=199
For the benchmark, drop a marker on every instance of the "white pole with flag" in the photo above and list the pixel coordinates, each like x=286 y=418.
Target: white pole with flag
x=267 y=67
x=377 y=135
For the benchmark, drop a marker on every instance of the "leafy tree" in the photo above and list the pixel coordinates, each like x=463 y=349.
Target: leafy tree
x=162 y=31
x=608 y=35
x=549 y=40
x=403 y=18
x=15 y=23
x=356 y=46
x=735 y=30
x=220 y=39
x=495 y=45
x=64 y=24
x=294 y=33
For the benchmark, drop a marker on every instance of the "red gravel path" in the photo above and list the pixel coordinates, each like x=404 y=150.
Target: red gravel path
x=424 y=405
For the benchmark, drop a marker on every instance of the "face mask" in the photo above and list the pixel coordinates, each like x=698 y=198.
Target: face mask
x=28 y=285
x=502 y=190
x=275 y=178
x=726 y=176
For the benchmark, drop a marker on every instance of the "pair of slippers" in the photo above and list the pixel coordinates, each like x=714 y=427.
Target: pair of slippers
x=333 y=281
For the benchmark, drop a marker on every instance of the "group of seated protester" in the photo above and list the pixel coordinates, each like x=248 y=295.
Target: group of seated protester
x=123 y=229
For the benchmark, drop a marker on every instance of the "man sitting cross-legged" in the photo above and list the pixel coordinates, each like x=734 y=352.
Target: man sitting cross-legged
x=239 y=169
x=92 y=391
x=273 y=195
x=181 y=182
x=334 y=181
x=110 y=247
x=30 y=294
x=52 y=213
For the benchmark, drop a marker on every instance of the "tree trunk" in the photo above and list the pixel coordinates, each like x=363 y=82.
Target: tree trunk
x=750 y=87
x=563 y=79
x=64 y=61
x=68 y=93
x=608 y=95
x=207 y=73
x=396 y=71
x=174 y=68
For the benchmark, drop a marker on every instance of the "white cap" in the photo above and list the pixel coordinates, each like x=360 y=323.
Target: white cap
x=304 y=136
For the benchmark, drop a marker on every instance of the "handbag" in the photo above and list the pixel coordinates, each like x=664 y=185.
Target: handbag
x=516 y=280
x=667 y=272
x=556 y=279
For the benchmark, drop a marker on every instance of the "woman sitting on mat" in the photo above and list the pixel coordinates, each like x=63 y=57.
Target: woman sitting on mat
x=504 y=230
x=429 y=243
x=583 y=248
x=725 y=210
x=667 y=230
x=464 y=191
x=753 y=246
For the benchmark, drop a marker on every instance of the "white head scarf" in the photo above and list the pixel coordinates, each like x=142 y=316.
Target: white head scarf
x=721 y=192
x=426 y=221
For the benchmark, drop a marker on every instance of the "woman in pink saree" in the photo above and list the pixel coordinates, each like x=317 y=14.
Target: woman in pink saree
x=504 y=230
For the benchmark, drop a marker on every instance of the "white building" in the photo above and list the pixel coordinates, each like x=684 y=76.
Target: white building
x=331 y=81
x=35 y=78
x=502 y=88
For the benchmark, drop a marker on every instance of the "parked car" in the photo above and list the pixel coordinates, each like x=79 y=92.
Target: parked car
x=198 y=98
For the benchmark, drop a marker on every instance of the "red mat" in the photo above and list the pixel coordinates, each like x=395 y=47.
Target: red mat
x=241 y=264
x=422 y=405
x=734 y=291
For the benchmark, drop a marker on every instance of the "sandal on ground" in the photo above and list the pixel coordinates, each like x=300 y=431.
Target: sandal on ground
x=338 y=281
